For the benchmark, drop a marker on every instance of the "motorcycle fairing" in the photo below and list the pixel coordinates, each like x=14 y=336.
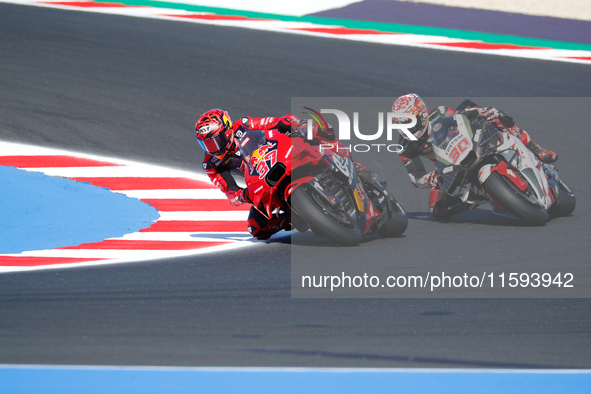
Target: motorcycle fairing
x=518 y=157
x=504 y=170
x=270 y=188
x=262 y=152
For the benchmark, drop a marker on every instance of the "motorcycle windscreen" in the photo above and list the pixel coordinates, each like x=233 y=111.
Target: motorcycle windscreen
x=452 y=139
x=249 y=142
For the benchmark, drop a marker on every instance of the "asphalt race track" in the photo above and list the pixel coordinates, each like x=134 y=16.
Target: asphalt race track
x=132 y=88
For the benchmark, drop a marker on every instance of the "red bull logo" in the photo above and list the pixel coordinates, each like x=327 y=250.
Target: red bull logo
x=263 y=159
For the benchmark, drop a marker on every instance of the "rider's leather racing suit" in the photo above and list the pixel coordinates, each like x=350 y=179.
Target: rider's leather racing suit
x=221 y=169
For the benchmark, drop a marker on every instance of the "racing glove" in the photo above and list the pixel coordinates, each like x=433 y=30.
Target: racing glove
x=434 y=179
x=284 y=125
x=430 y=179
x=238 y=197
x=299 y=129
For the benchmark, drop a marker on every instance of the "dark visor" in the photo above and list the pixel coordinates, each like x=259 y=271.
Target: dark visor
x=215 y=144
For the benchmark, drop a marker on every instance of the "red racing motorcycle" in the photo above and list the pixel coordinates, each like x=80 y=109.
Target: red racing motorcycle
x=318 y=188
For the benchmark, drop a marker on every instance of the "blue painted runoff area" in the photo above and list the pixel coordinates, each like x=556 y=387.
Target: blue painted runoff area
x=38 y=212
x=146 y=380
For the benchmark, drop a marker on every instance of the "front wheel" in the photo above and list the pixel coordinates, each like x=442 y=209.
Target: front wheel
x=397 y=224
x=513 y=200
x=566 y=202
x=324 y=220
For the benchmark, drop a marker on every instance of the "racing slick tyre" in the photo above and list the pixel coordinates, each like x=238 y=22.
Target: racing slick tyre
x=566 y=202
x=324 y=220
x=397 y=224
x=515 y=201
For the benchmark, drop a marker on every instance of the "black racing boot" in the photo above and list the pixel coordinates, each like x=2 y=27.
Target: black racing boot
x=547 y=156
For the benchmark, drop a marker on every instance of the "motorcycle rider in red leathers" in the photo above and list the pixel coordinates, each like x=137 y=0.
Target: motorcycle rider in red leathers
x=441 y=205
x=215 y=133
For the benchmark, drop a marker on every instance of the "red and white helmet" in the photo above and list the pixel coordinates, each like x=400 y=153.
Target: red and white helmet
x=412 y=104
x=214 y=131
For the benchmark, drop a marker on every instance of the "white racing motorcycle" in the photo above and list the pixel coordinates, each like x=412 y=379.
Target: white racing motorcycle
x=479 y=164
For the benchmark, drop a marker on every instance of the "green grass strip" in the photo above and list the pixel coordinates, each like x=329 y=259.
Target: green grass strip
x=383 y=27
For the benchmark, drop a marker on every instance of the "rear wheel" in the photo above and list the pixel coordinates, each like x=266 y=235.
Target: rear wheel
x=323 y=219
x=515 y=201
